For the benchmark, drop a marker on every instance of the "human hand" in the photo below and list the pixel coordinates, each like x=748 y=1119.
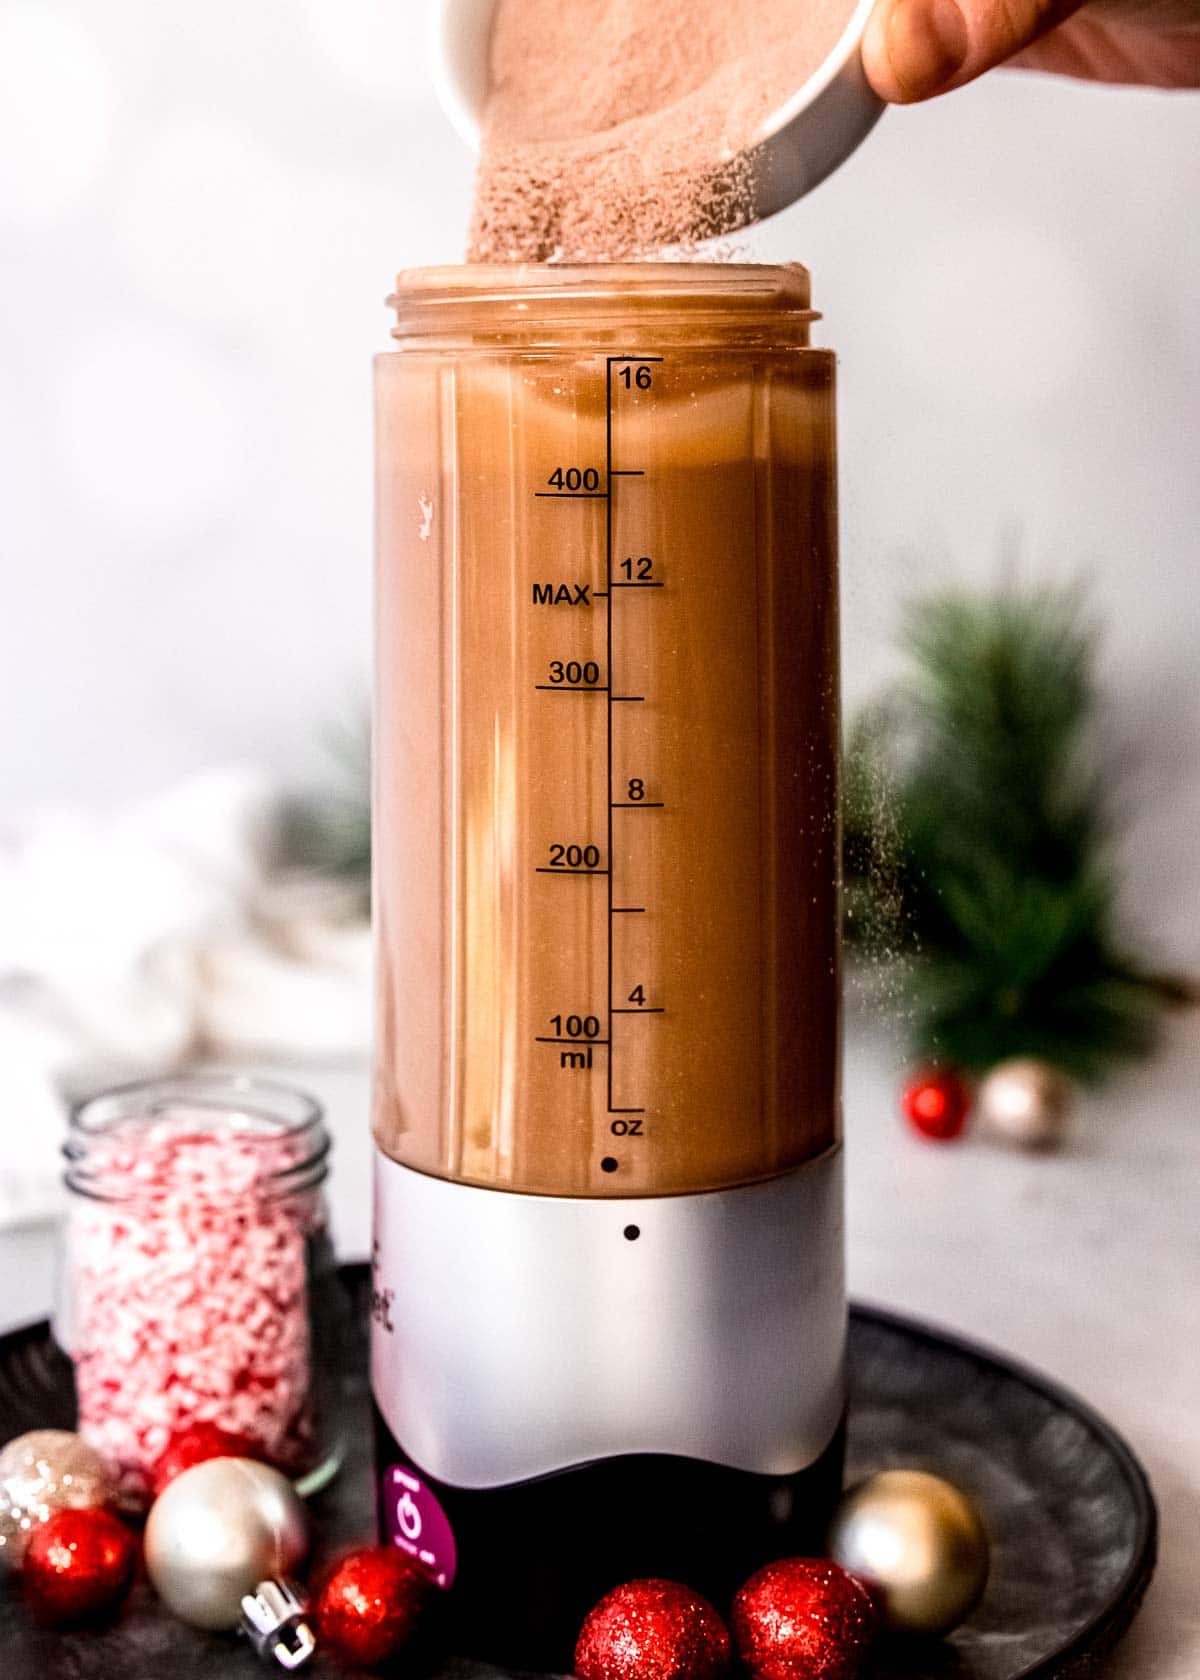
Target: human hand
x=914 y=49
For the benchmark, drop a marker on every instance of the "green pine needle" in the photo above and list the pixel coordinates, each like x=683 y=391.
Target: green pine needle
x=992 y=862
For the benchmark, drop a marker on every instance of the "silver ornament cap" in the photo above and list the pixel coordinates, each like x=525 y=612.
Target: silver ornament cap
x=273 y=1621
x=216 y=1531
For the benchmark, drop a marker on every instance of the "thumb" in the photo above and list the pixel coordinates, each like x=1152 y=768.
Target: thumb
x=913 y=49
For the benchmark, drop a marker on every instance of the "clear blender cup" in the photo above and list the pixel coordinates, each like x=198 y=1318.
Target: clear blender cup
x=608 y=1205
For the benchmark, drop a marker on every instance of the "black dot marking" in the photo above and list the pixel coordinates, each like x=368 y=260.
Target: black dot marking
x=632 y=1233
x=609 y=1164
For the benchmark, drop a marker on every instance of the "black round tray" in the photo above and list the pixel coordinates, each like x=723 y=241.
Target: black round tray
x=1070 y=1512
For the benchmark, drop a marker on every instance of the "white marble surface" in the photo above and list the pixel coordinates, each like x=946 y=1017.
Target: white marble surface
x=1085 y=1264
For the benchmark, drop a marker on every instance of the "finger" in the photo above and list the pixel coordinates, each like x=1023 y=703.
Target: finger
x=914 y=49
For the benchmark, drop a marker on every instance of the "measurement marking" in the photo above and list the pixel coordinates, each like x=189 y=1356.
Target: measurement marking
x=639 y=805
x=570 y=1041
x=599 y=594
x=571 y=495
x=646 y=1009
x=611 y=583
x=570 y=688
x=556 y=869
x=608 y=666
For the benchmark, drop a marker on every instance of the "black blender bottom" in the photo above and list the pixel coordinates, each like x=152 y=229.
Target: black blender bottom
x=533 y=1558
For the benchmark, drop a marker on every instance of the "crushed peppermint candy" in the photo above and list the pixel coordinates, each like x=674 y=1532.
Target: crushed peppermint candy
x=191 y=1291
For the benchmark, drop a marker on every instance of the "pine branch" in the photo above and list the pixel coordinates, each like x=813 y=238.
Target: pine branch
x=994 y=862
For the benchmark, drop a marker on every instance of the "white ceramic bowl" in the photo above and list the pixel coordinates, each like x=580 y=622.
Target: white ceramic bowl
x=801 y=143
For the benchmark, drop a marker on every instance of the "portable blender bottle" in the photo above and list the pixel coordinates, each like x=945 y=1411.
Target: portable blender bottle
x=609 y=1303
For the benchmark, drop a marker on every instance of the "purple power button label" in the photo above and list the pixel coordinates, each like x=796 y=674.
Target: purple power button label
x=414 y=1521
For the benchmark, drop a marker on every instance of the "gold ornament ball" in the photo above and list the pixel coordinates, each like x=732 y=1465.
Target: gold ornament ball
x=919 y=1543
x=216 y=1531
x=45 y=1471
x=1025 y=1101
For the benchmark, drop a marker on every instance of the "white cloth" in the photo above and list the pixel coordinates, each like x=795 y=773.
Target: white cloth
x=131 y=943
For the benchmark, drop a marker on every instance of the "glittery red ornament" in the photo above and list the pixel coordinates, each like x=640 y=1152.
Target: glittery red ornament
x=803 y=1619
x=369 y=1605
x=77 y=1563
x=652 y=1630
x=936 y=1102
x=196 y=1445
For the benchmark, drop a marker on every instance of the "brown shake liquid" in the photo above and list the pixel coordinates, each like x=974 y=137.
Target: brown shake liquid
x=606 y=838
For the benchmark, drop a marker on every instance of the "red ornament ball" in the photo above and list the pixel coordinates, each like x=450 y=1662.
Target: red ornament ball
x=936 y=1102
x=368 y=1607
x=803 y=1619
x=652 y=1630
x=77 y=1563
x=196 y=1444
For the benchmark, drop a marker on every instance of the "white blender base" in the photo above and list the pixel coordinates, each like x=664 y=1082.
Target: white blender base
x=515 y=1336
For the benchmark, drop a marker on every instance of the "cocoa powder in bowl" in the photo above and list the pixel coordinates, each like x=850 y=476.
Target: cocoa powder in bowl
x=616 y=128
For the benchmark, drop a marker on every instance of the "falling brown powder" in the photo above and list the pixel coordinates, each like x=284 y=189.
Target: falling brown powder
x=616 y=128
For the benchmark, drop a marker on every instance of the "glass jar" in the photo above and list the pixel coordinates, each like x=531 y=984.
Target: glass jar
x=198 y=1282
